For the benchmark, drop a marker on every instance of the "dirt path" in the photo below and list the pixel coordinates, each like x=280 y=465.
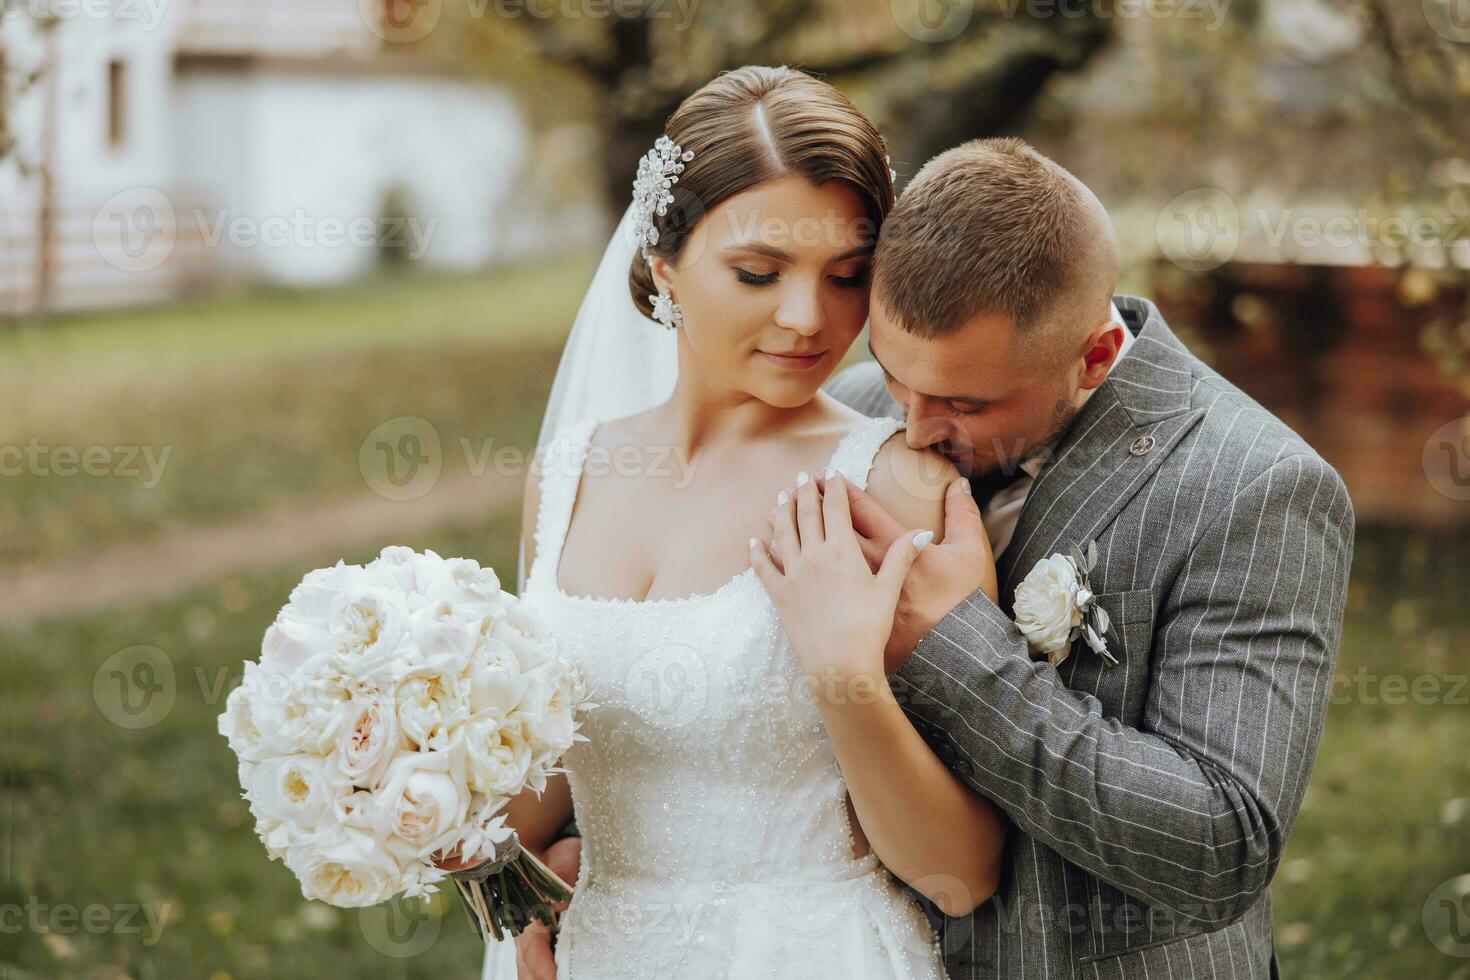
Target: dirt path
x=183 y=559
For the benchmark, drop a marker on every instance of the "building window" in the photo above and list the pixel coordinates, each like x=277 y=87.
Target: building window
x=117 y=104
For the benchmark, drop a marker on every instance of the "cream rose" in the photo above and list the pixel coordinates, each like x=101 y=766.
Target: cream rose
x=1046 y=608
x=369 y=738
x=349 y=869
x=431 y=705
x=500 y=754
x=367 y=627
x=422 y=806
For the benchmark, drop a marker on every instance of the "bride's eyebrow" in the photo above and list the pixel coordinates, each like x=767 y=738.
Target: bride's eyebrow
x=770 y=251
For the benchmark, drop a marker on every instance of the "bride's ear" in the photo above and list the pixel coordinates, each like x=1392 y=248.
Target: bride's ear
x=662 y=278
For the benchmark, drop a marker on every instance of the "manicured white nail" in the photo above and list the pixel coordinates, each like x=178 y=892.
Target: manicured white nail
x=922 y=539
x=752 y=543
x=781 y=498
x=802 y=479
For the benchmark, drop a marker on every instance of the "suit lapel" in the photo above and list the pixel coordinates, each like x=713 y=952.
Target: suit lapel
x=1113 y=447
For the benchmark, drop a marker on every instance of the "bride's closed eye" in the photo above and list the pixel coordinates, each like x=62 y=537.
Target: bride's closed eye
x=755 y=279
x=856 y=281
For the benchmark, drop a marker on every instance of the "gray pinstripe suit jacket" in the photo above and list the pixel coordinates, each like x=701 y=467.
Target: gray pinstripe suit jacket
x=1151 y=801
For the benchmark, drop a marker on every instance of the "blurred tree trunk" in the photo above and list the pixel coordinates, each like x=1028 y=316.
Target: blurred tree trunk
x=634 y=70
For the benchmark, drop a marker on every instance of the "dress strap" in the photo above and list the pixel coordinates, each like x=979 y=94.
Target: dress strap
x=854 y=455
x=559 y=468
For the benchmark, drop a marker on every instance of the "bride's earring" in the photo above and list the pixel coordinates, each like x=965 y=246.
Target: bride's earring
x=665 y=310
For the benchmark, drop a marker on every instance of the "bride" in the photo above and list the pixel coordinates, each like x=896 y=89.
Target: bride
x=744 y=810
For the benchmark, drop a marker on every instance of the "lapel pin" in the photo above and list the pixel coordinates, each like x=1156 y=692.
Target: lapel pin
x=1142 y=446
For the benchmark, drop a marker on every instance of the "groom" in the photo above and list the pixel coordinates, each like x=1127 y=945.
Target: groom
x=1151 y=800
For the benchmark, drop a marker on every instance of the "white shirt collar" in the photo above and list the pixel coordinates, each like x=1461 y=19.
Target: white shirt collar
x=1033 y=465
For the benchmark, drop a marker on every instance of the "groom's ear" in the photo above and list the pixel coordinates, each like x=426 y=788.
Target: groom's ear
x=1101 y=350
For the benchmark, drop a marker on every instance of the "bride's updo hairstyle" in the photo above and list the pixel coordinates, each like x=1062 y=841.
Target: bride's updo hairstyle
x=756 y=124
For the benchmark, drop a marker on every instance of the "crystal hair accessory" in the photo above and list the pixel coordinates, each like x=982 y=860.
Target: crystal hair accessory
x=658 y=172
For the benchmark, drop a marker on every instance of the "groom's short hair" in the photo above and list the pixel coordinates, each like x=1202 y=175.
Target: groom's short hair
x=993 y=226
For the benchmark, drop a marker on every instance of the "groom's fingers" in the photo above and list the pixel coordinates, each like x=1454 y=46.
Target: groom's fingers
x=962 y=523
x=900 y=558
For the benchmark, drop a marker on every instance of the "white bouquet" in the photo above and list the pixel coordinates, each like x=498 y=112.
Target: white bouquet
x=394 y=711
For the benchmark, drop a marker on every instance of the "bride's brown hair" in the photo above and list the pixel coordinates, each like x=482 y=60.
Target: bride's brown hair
x=756 y=124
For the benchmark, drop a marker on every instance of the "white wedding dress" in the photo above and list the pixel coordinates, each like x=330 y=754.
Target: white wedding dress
x=716 y=838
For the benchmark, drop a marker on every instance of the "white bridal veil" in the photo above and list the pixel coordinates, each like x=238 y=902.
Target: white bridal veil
x=616 y=361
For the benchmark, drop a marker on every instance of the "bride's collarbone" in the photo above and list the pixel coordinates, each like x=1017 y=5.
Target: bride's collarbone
x=658 y=551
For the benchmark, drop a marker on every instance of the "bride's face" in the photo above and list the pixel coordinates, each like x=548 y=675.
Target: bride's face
x=774 y=288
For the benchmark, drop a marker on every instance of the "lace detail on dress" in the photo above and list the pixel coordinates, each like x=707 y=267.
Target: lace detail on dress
x=716 y=840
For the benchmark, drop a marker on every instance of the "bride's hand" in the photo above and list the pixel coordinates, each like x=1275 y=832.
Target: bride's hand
x=837 y=612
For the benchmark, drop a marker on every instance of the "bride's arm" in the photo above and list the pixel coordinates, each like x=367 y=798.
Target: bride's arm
x=924 y=823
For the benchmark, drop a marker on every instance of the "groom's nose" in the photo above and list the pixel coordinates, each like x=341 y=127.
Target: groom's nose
x=924 y=428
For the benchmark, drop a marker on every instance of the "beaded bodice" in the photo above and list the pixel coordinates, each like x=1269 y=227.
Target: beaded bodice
x=707 y=767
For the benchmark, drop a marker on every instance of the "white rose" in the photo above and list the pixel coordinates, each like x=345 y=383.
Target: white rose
x=368 y=740
x=431 y=704
x=368 y=626
x=500 y=754
x=1046 y=607
x=463 y=582
x=314 y=710
x=423 y=804
x=293 y=642
x=393 y=568
x=312 y=597
x=348 y=869
x=236 y=725
x=293 y=789
x=445 y=634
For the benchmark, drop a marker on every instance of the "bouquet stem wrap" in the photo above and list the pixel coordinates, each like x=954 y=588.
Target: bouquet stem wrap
x=506 y=892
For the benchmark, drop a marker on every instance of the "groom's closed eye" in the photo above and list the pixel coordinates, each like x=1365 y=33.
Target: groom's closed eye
x=958 y=407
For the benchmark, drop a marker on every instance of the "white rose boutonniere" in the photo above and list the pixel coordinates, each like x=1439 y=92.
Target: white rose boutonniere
x=1055 y=605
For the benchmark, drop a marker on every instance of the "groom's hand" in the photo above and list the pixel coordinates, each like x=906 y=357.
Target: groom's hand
x=942 y=577
x=535 y=959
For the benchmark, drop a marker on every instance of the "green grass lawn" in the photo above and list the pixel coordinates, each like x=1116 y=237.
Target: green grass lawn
x=261 y=402
x=108 y=816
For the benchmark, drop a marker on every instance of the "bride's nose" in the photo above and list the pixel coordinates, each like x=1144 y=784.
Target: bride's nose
x=800 y=310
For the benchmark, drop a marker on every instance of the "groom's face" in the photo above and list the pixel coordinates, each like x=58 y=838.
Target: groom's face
x=976 y=396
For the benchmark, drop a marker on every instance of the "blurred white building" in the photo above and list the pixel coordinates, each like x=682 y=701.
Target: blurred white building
x=170 y=147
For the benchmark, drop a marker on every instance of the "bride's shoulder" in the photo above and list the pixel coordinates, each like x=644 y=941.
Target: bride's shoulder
x=910 y=483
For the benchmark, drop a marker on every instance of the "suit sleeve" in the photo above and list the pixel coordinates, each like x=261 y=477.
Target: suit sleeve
x=1191 y=809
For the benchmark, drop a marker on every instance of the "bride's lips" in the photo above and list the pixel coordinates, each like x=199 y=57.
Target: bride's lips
x=795 y=362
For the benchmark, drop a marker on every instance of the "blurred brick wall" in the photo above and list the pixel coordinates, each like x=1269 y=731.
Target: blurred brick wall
x=1336 y=352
